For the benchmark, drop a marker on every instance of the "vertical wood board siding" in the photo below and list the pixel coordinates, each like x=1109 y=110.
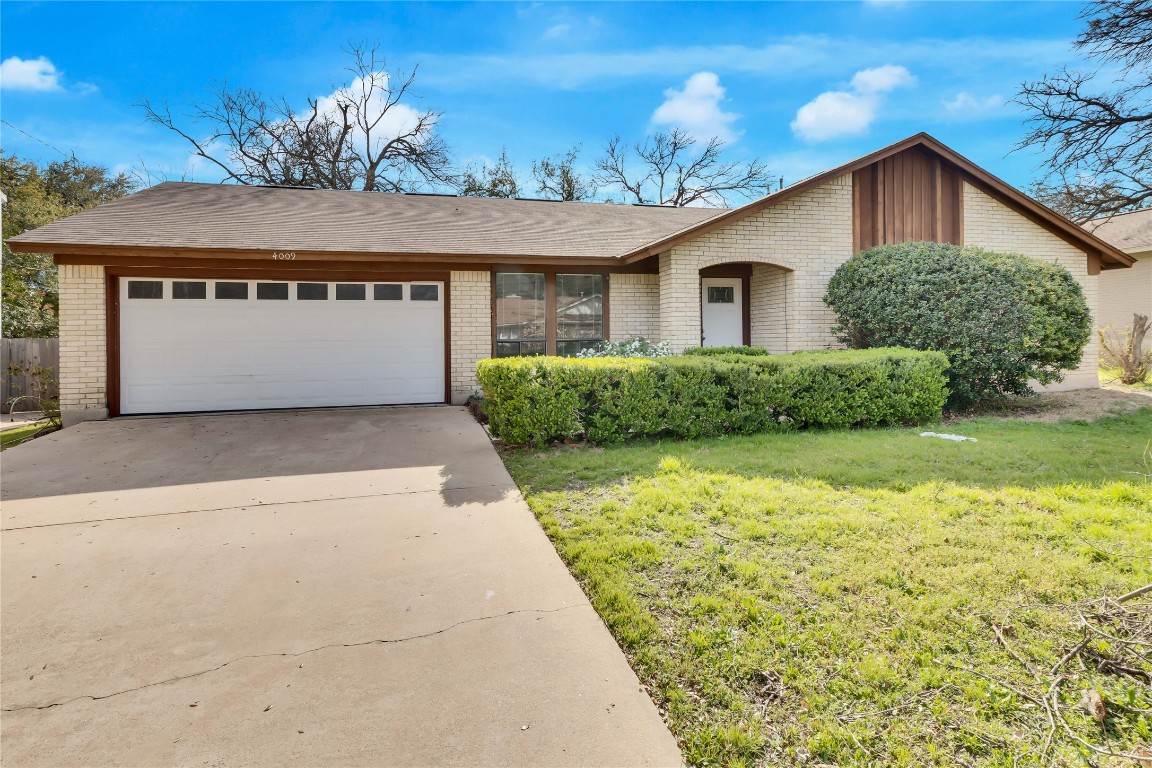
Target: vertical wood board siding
x=912 y=195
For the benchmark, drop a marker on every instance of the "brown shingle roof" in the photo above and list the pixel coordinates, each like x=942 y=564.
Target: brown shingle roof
x=230 y=217
x=1131 y=232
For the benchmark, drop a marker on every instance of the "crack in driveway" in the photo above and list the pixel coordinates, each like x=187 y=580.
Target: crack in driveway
x=378 y=641
x=255 y=505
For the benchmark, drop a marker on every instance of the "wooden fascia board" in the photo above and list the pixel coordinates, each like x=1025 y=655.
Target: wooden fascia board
x=192 y=254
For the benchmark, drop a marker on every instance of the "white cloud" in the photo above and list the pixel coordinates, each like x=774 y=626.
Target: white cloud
x=38 y=74
x=399 y=119
x=882 y=79
x=966 y=102
x=833 y=114
x=696 y=108
x=557 y=31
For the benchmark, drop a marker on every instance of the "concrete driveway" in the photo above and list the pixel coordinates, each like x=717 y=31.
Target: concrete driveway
x=322 y=588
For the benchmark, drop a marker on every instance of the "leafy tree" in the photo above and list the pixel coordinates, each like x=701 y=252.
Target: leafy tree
x=36 y=196
x=1096 y=127
x=360 y=137
x=557 y=178
x=673 y=171
x=496 y=180
x=1003 y=319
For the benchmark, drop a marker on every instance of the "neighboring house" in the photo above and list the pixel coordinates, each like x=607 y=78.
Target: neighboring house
x=196 y=297
x=1129 y=291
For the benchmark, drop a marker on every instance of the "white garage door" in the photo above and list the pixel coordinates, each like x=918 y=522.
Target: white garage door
x=210 y=345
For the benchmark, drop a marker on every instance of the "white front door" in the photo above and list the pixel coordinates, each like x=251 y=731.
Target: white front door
x=213 y=345
x=722 y=311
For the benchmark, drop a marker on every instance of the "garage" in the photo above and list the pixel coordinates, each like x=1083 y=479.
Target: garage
x=190 y=345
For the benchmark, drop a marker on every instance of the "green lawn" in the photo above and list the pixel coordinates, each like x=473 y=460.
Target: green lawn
x=831 y=597
x=17 y=435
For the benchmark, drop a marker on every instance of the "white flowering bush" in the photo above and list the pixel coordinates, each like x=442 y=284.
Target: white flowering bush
x=636 y=346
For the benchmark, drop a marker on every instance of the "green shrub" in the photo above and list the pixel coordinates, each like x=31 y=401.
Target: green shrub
x=1002 y=318
x=606 y=400
x=714 y=351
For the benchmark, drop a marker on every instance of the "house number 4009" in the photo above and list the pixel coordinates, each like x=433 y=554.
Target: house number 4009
x=283 y=255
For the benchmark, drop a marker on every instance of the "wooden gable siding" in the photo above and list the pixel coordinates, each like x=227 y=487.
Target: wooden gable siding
x=911 y=195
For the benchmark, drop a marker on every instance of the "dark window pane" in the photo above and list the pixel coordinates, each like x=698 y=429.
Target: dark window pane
x=721 y=294
x=232 y=291
x=579 y=311
x=424 y=292
x=573 y=348
x=520 y=312
x=145 y=289
x=519 y=348
x=273 y=291
x=350 y=292
x=390 y=292
x=182 y=289
x=311 y=291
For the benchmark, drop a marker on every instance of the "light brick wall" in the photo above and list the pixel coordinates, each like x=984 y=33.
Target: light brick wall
x=1125 y=292
x=769 y=307
x=471 y=331
x=634 y=306
x=990 y=224
x=83 y=344
x=810 y=235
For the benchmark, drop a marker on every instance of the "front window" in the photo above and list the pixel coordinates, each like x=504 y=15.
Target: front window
x=538 y=314
x=579 y=313
x=520 y=315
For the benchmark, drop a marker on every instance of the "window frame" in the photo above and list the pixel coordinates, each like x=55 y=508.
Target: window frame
x=550 y=300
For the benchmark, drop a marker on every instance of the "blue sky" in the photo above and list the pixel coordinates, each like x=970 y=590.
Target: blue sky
x=803 y=86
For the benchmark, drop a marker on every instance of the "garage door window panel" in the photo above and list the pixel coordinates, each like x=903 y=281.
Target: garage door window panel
x=184 y=289
x=311 y=291
x=145 y=289
x=272 y=291
x=388 y=292
x=350 y=292
x=230 y=291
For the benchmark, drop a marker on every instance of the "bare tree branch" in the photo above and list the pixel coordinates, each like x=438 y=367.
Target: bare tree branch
x=1097 y=135
x=360 y=137
x=673 y=172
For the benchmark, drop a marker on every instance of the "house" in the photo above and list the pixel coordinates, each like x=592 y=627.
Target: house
x=196 y=297
x=1127 y=292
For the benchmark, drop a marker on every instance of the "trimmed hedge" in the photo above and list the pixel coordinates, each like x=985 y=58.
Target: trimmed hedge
x=606 y=400
x=717 y=351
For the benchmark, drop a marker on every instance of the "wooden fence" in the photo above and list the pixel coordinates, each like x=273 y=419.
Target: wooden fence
x=28 y=352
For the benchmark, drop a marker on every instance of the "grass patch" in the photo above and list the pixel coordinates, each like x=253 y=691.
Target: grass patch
x=17 y=435
x=1111 y=378
x=830 y=597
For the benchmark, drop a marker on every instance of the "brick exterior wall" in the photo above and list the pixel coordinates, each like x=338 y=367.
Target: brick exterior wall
x=990 y=224
x=1125 y=292
x=471 y=331
x=808 y=236
x=634 y=307
x=768 y=291
x=83 y=344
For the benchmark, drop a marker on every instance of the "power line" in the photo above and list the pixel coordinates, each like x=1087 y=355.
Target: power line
x=34 y=138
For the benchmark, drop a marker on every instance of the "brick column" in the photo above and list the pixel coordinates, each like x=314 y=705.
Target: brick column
x=471 y=329
x=83 y=344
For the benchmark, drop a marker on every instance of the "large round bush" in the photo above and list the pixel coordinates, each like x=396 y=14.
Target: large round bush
x=1001 y=318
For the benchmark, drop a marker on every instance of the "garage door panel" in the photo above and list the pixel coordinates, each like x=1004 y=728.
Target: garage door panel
x=188 y=355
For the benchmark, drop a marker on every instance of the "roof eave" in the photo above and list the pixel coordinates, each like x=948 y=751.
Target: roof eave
x=1048 y=218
